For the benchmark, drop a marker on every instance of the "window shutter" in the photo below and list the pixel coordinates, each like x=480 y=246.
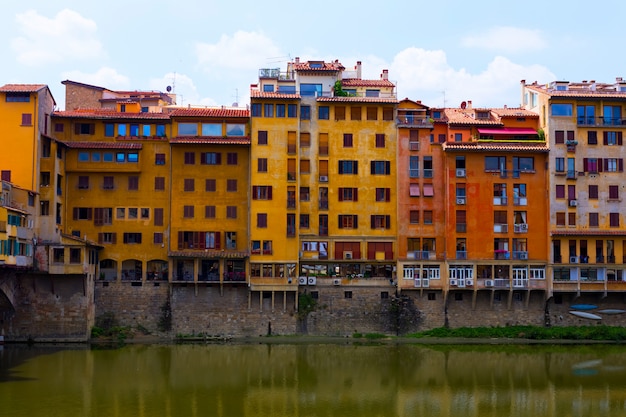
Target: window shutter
x=387 y=194
x=339 y=221
x=340 y=167
x=619 y=138
x=76 y=128
x=355 y=220
x=600 y=165
x=387 y=167
x=585 y=165
x=388 y=221
x=269 y=192
x=372 y=167
x=218 y=158
x=92 y=128
x=75 y=213
x=606 y=164
x=605 y=138
x=114 y=238
x=355 y=193
x=340 y=194
x=356 y=167
x=254 y=192
x=620 y=165
x=373 y=221
x=180 y=240
x=100 y=238
x=218 y=240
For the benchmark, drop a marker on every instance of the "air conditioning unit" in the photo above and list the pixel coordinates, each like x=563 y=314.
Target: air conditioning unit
x=453 y=282
x=461 y=283
x=347 y=255
x=488 y=283
x=524 y=227
x=573 y=259
x=460 y=172
x=523 y=255
x=425 y=283
x=573 y=203
x=417 y=282
x=336 y=281
x=302 y=280
x=469 y=282
x=460 y=200
x=323 y=178
x=312 y=281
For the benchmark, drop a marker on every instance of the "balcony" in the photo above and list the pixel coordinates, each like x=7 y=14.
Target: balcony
x=520 y=201
x=500 y=228
x=414 y=120
x=521 y=255
x=600 y=121
x=571 y=175
x=291 y=203
x=234 y=276
x=520 y=228
x=500 y=201
x=501 y=254
x=461 y=254
x=209 y=277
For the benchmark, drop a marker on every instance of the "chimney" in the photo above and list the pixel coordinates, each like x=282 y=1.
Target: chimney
x=297 y=60
x=385 y=75
x=469 y=104
x=358 y=70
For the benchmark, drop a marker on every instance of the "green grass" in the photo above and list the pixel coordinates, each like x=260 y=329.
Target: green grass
x=610 y=333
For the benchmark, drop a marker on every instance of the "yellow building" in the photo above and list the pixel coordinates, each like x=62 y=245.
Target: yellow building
x=323 y=177
x=584 y=124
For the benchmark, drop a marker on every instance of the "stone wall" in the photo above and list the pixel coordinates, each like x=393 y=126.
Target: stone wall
x=50 y=308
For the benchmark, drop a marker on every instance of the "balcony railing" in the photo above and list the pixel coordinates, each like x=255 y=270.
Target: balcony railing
x=235 y=276
x=461 y=227
x=323 y=205
x=408 y=120
x=501 y=254
x=291 y=203
x=600 y=121
x=461 y=254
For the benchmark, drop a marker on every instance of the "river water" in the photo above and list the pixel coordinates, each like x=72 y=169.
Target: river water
x=297 y=379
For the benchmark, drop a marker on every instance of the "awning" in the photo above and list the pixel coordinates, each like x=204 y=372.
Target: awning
x=509 y=131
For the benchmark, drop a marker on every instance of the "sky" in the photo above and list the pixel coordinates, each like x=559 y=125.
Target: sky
x=209 y=52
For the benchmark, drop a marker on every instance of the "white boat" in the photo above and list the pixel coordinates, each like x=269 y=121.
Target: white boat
x=586 y=315
x=611 y=311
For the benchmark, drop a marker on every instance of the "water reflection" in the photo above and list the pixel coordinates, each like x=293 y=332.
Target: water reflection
x=314 y=380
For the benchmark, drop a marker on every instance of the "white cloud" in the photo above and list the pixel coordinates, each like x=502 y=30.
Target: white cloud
x=67 y=36
x=184 y=88
x=241 y=52
x=104 y=77
x=506 y=39
x=426 y=75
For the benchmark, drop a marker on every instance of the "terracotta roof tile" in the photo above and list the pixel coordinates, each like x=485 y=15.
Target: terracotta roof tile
x=102 y=145
x=217 y=112
x=588 y=233
x=355 y=82
x=208 y=254
x=515 y=112
x=323 y=66
x=108 y=114
x=215 y=140
x=495 y=146
x=22 y=88
x=580 y=90
x=264 y=94
x=391 y=100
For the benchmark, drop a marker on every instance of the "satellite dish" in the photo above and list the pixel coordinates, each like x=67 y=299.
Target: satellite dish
x=463 y=104
x=168 y=88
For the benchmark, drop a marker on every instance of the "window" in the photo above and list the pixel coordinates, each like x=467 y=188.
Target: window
x=380 y=140
x=495 y=163
x=45 y=179
x=188 y=212
x=255 y=110
x=159 y=159
x=571 y=218
x=261 y=192
x=231 y=212
x=17 y=97
x=561 y=109
x=305 y=194
x=146 y=130
x=107 y=157
x=133 y=183
x=523 y=164
x=187 y=129
x=210 y=158
x=379 y=221
x=383 y=194
x=305 y=112
x=304 y=221
x=45 y=208
x=84 y=128
x=82 y=213
x=348 y=167
x=348 y=194
x=190 y=158
x=132 y=213
x=268 y=110
x=83 y=182
x=414 y=216
x=157 y=238
x=414 y=166
x=159 y=183
x=262 y=137
x=102 y=216
x=560 y=218
x=262 y=165
x=559 y=164
x=132 y=237
x=371 y=112
x=340 y=113
x=612 y=164
x=292 y=110
x=592 y=137
x=189 y=184
x=593 y=192
x=348 y=221
x=209 y=212
x=231 y=185
x=261 y=220
x=305 y=139
x=355 y=113
x=594 y=220
x=305 y=166
x=380 y=167
x=559 y=136
x=95 y=156
x=83 y=156
x=209 y=185
x=560 y=191
x=613 y=192
x=591 y=165
x=108 y=182
x=614 y=219
x=347 y=140
x=428 y=167
x=231 y=240
x=58 y=255
x=158 y=216
x=323 y=112
x=311 y=90
x=280 y=110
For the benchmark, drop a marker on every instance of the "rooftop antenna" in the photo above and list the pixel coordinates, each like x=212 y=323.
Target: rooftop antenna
x=444 y=98
x=236 y=103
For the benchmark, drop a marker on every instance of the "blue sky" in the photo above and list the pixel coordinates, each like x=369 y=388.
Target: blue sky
x=441 y=52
